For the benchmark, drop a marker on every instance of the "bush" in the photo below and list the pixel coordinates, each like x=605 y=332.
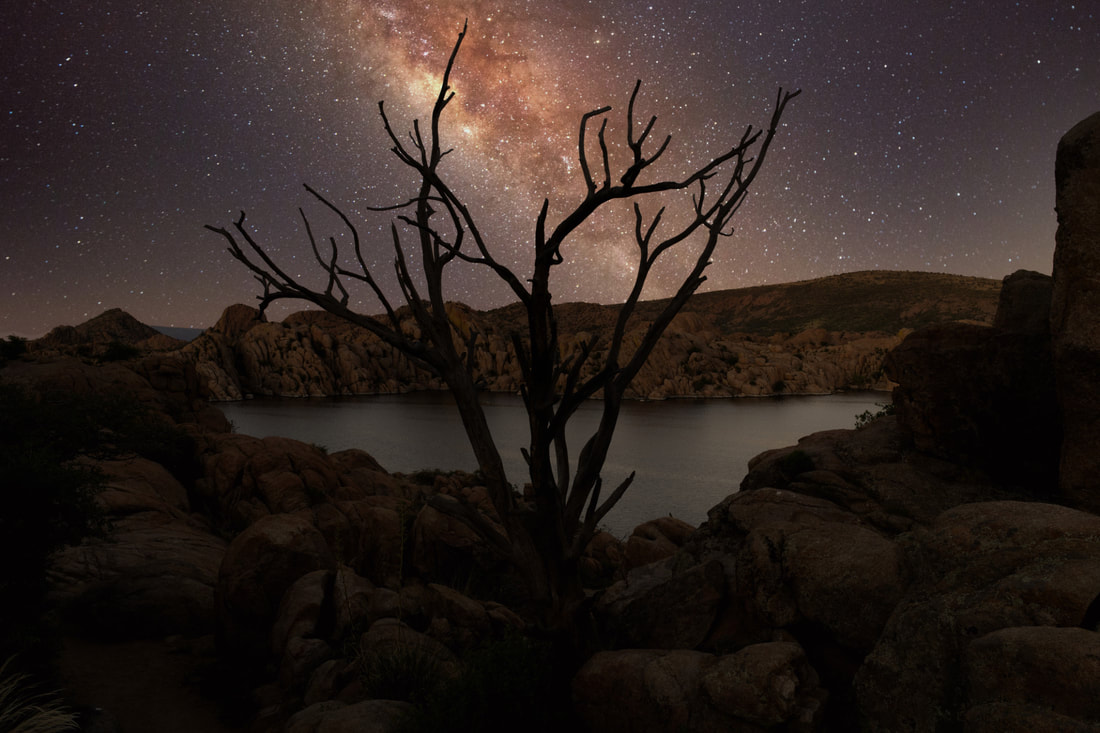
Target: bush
x=407 y=673
x=12 y=348
x=118 y=351
x=866 y=417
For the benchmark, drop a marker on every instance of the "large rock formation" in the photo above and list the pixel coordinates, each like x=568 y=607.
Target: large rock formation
x=806 y=338
x=154 y=575
x=984 y=572
x=1076 y=301
x=985 y=394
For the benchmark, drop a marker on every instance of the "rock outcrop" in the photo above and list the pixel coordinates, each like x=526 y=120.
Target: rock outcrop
x=769 y=686
x=155 y=574
x=757 y=341
x=1076 y=301
x=985 y=394
x=991 y=580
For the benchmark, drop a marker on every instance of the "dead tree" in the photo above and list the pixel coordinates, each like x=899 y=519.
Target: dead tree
x=544 y=535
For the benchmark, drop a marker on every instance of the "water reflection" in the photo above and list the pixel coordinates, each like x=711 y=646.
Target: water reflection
x=688 y=454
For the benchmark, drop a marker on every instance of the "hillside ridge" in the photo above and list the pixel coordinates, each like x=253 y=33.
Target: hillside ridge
x=813 y=337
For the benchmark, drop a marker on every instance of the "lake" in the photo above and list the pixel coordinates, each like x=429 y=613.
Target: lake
x=688 y=454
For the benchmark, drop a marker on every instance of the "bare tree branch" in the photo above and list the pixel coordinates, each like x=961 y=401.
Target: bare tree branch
x=544 y=536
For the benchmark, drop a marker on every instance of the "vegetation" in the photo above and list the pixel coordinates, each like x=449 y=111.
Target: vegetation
x=12 y=348
x=25 y=710
x=859 y=302
x=866 y=417
x=543 y=534
x=119 y=351
x=406 y=672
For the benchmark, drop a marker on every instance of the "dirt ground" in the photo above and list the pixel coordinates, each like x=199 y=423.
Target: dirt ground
x=142 y=686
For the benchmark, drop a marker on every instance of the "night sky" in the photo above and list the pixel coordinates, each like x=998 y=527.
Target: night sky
x=924 y=138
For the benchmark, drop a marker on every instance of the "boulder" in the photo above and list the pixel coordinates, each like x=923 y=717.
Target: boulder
x=260 y=565
x=1047 y=666
x=238 y=319
x=670 y=604
x=1075 y=329
x=368 y=716
x=368 y=534
x=136 y=484
x=154 y=573
x=602 y=561
x=873 y=475
x=980 y=395
x=153 y=576
x=766 y=684
x=761 y=687
x=845 y=580
x=999 y=717
x=446 y=549
x=980 y=568
x=245 y=478
x=1024 y=304
x=655 y=540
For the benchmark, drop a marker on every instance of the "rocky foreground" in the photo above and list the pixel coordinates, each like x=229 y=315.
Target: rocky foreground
x=938 y=569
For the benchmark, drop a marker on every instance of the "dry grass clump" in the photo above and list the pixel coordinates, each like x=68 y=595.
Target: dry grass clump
x=24 y=710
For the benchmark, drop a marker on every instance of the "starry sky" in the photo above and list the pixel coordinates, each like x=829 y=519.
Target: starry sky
x=924 y=138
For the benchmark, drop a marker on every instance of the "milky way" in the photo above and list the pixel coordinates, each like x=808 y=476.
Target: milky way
x=924 y=138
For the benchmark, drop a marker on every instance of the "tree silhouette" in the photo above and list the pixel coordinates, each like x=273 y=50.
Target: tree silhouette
x=544 y=532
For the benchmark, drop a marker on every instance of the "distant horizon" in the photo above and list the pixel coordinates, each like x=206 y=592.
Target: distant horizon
x=286 y=309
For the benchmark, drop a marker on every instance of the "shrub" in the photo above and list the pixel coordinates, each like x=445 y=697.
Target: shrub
x=118 y=351
x=701 y=382
x=405 y=672
x=12 y=348
x=866 y=417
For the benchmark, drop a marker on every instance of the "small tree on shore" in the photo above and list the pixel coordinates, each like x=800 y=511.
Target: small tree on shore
x=544 y=535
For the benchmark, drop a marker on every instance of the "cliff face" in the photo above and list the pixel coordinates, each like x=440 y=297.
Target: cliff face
x=806 y=338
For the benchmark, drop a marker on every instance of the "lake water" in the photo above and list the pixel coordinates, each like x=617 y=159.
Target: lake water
x=688 y=454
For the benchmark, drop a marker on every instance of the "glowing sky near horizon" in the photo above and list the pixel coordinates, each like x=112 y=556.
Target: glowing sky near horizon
x=924 y=138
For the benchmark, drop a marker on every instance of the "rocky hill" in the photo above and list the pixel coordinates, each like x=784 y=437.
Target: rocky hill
x=110 y=329
x=811 y=337
x=871 y=301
